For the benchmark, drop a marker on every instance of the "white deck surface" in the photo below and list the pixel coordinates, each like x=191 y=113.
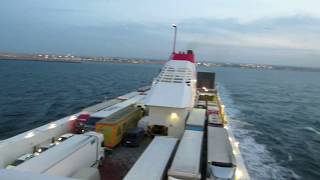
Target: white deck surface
x=174 y=87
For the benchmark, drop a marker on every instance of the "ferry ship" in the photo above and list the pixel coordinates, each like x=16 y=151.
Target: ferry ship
x=174 y=129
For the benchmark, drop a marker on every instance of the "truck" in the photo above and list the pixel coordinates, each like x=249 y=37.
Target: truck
x=196 y=119
x=153 y=162
x=116 y=125
x=66 y=158
x=221 y=160
x=134 y=136
x=187 y=160
x=80 y=122
x=215 y=120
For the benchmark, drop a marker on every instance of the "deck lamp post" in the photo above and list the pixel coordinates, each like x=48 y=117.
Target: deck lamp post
x=174 y=37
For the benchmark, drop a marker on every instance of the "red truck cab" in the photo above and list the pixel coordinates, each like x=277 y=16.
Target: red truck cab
x=80 y=123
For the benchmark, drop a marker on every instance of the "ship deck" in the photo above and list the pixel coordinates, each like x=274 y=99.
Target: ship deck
x=119 y=160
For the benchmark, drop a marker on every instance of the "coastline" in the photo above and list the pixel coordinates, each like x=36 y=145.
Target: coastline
x=121 y=60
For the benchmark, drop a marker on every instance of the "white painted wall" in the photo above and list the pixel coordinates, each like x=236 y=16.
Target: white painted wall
x=173 y=118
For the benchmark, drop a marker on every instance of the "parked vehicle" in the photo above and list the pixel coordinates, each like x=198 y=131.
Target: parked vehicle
x=153 y=162
x=79 y=151
x=213 y=110
x=186 y=162
x=115 y=126
x=143 y=123
x=20 y=160
x=215 y=120
x=221 y=160
x=196 y=119
x=80 y=123
x=134 y=136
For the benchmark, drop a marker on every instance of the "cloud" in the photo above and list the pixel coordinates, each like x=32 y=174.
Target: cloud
x=286 y=40
x=295 y=32
x=239 y=31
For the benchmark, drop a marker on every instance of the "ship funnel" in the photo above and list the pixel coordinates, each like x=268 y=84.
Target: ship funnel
x=188 y=56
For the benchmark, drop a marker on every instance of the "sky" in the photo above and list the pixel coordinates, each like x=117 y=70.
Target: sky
x=285 y=32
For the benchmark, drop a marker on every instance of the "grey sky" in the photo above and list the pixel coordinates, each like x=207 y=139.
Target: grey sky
x=250 y=31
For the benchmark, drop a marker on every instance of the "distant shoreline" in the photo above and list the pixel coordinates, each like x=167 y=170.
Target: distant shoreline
x=119 y=60
x=74 y=59
x=37 y=60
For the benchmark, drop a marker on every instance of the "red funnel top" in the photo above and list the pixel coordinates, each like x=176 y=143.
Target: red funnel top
x=182 y=56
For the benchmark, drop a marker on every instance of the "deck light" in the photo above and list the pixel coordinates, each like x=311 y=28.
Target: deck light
x=173 y=116
x=29 y=135
x=234 y=152
x=72 y=118
x=239 y=173
x=236 y=144
x=205 y=89
x=52 y=125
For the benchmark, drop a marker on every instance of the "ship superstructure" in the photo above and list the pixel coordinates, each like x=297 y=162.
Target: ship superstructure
x=172 y=96
x=174 y=129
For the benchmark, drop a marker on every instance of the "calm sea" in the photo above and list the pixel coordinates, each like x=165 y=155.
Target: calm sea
x=275 y=114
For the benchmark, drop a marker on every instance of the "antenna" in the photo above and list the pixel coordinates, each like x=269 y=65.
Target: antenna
x=174 y=37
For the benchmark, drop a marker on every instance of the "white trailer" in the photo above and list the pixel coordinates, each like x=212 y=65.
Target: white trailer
x=118 y=107
x=196 y=119
x=153 y=162
x=14 y=147
x=186 y=163
x=66 y=158
x=10 y=174
x=221 y=161
x=215 y=120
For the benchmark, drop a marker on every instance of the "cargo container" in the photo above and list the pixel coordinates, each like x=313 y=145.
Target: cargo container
x=201 y=104
x=19 y=175
x=114 y=127
x=101 y=106
x=186 y=162
x=152 y=164
x=118 y=107
x=207 y=97
x=196 y=119
x=215 y=120
x=221 y=161
x=14 y=147
x=65 y=159
x=213 y=109
x=212 y=103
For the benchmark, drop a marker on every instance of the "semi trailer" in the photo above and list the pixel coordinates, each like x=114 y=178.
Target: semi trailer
x=68 y=157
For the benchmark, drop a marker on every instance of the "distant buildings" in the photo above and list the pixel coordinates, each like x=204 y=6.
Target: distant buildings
x=73 y=58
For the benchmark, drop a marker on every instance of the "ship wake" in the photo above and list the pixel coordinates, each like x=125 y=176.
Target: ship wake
x=260 y=162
